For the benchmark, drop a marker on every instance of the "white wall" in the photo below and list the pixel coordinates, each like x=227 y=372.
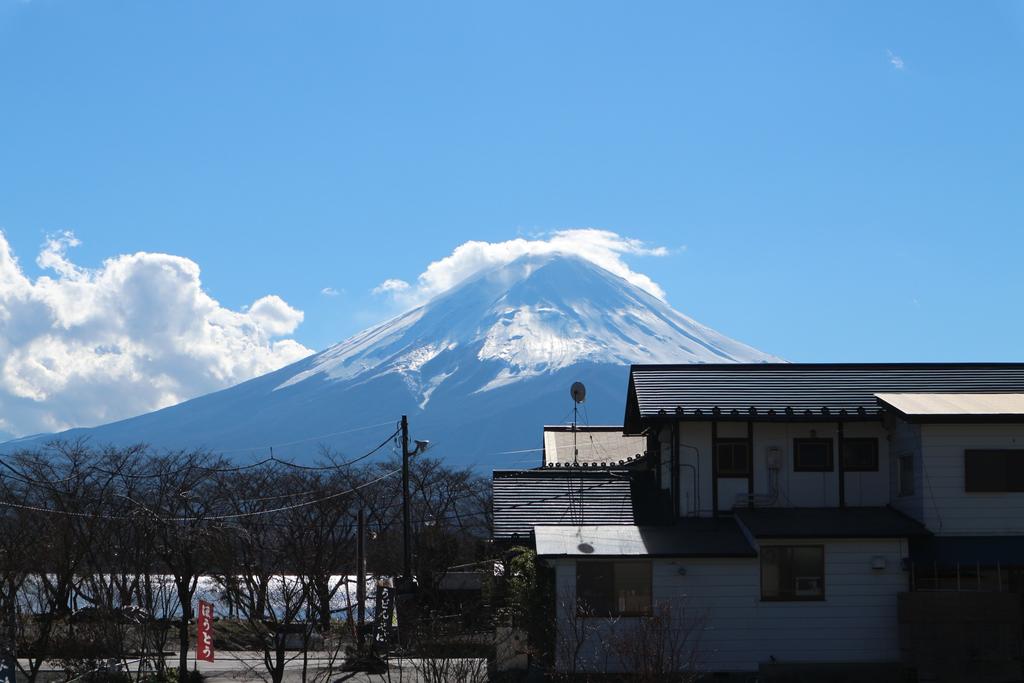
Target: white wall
x=947 y=508
x=856 y=622
x=869 y=488
x=694 y=458
x=796 y=489
x=905 y=440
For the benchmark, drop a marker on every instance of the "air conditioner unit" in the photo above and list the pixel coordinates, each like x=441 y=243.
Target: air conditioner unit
x=808 y=586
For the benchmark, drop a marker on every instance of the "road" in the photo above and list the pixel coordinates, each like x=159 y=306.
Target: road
x=321 y=668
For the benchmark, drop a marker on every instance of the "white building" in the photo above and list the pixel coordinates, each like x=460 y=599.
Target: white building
x=794 y=516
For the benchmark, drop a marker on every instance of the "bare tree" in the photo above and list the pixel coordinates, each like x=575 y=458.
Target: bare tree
x=65 y=498
x=16 y=547
x=101 y=550
x=121 y=580
x=664 y=646
x=579 y=647
x=322 y=539
x=180 y=508
x=256 y=567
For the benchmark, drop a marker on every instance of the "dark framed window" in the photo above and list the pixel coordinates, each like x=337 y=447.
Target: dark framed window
x=860 y=455
x=613 y=588
x=994 y=470
x=812 y=455
x=906 y=475
x=792 y=572
x=733 y=457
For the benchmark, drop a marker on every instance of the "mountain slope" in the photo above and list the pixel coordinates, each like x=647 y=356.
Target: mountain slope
x=478 y=369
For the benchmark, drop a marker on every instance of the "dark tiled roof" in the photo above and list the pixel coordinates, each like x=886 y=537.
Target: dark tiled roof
x=798 y=391
x=850 y=522
x=524 y=499
x=687 y=538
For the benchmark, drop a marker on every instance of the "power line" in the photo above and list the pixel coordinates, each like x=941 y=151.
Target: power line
x=309 y=493
x=262 y=447
x=522 y=450
x=202 y=468
x=66 y=513
x=383 y=443
x=288 y=507
x=158 y=517
x=306 y=440
x=237 y=515
x=18 y=476
x=32 y=482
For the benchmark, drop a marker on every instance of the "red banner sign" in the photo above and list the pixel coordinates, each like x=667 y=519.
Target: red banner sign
x=204 y=632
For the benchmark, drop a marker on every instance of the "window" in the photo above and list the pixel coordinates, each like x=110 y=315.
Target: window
x=733 y=458
x=906 y=475
x=991 y=471
x=860 y=455
x=792 y=572
x=613 y=588
x=812 y=455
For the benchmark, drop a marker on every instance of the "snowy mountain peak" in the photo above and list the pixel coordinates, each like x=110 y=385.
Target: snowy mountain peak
x=533 y=316
x=479 y=368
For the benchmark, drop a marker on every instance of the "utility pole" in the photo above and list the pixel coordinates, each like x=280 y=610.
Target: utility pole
x=421 y=446
x=405 y=588
x=406 y=520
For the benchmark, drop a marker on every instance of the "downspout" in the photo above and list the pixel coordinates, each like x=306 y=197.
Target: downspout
x=714 y=468
x=841 y=469
x=750 y=464
x=675 y=470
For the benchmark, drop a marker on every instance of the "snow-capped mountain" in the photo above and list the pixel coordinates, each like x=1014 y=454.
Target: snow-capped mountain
x=478 y=369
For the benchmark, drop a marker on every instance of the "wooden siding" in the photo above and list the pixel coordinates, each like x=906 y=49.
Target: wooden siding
x=796 y=489
x=856 y=622
x=947 y=508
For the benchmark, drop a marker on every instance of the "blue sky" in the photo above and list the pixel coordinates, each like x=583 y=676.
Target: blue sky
x=847 y=179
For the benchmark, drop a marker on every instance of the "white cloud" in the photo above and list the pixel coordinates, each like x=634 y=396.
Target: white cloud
x=391 y=286
x=895 y=60
x=603 y=247
x=329 y=291
x=80 y=346
x=275 y=316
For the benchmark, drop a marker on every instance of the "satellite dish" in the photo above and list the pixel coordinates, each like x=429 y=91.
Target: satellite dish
x=578 y=392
